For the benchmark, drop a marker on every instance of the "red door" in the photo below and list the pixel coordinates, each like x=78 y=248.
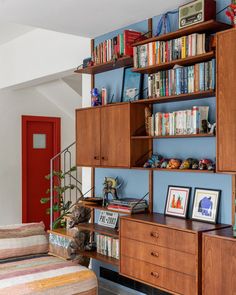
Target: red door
x=40 y=142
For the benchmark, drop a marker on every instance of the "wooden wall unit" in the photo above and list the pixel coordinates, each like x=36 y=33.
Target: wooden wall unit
x=219 y=263
x=164 y=252
x=226 y=103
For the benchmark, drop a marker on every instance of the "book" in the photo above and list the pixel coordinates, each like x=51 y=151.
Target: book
x=129 y=38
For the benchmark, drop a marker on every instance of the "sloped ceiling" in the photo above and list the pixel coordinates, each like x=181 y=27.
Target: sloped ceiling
x=88 y=18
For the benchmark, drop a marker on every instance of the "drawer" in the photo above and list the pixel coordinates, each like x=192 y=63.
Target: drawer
x=157 y=276
x=160 y=236
x=169 y=258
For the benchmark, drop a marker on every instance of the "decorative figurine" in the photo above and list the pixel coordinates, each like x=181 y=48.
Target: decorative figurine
x=206 y=164
x=174 y=164
x=231 y=13
x=110 y=186
x=189 y=163
x=154 y=162
x=95 y=97
x=164 y=163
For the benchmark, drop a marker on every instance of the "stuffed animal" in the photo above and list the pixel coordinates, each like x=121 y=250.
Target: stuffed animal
x=206 y=164
x=164 y=163
x=174 y=164
x=154 y=162
x=189 y=164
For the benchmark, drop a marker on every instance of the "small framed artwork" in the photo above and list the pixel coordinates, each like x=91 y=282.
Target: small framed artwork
x=131 y=86
x=177 y=201
x=206 y=205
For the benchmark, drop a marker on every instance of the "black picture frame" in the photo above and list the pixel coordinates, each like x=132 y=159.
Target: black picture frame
x=214 y=209
x=176 y=211
x=135 y=80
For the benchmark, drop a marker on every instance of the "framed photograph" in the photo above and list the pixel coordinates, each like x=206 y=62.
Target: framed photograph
x=131 y=86
x=206 y=205
x=177 y=201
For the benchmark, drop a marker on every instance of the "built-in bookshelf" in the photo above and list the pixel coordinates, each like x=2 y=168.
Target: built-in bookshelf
x=208 y=27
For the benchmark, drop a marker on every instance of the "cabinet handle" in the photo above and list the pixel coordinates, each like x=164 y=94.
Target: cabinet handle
x=154 y=234
x=155 y=254
x=155 y=274
x=104 y=158
x=96 y=158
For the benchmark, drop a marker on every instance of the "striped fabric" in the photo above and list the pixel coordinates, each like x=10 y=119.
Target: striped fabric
x=23 y=239
x=46 y=275
x=22 y=230
x=15 y=247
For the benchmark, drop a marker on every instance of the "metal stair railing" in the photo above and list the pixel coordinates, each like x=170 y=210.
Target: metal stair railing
x=63 y=162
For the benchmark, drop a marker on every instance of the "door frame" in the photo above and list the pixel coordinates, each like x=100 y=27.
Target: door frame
x=25 y=119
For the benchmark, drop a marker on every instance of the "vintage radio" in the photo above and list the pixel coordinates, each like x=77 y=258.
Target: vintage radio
x=196 y=12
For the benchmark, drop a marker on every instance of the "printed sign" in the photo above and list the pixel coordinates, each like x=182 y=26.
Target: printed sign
x=107 y=218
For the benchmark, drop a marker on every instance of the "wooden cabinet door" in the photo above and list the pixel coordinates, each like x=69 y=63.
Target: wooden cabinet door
x=226 y=101
x=115 y=136
x=219 y=266
x=88 y=137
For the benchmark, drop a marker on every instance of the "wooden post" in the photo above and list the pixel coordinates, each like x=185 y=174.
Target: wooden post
x=150 y=27
x=92 y=169
x=150 y=208
x=233 y=199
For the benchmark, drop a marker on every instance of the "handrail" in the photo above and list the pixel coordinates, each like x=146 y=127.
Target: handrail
x=65 y=150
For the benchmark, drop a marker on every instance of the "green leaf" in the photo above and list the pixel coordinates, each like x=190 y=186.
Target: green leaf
x=44 y=200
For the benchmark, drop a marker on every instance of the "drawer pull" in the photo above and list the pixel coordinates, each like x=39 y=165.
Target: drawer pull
x=155 y=254
x=154 y=234
x=155 y=274
x=96 y=158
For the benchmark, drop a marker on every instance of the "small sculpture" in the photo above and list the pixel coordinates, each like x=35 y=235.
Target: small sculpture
x=164 y=163
x=95 y=97
x=206 y=164
x=174 y=164
x=110 y=186
x=189 y=164
x=154 y=162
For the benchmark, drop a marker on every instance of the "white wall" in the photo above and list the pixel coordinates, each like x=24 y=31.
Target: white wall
x=13 y=104
x=40 y=53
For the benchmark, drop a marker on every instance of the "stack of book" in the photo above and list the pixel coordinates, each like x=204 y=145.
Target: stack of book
x=183 y=80
x=108 y=246
x=166 y=51
x=118 y=46
x=128 y=205
x=178 y=123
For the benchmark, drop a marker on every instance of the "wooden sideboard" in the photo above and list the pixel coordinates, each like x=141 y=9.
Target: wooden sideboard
x=219 y=262
x=163 y=252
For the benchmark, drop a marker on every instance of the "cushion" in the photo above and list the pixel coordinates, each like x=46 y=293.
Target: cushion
x=23 y=239
x=15 y=247
x=22 y=230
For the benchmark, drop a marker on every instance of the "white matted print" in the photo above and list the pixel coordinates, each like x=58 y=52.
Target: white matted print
x=177 y=201
x=206 y=205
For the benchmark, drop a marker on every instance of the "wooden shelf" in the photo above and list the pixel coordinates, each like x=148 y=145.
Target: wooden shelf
x=210 y=26
x=98 y=207
x=181 y=62
x=93 y=227
x=100 y=257
x=180 y=97
x=108 y=66
x=172 y=136
x=173 y=170
x=63 y=232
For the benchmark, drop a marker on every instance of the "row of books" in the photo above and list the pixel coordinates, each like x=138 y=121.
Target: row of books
x=128 y=205
x=178 y=123
x=118 y=46
x=108 y=246
x=183 y=80
x=166 y=51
